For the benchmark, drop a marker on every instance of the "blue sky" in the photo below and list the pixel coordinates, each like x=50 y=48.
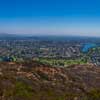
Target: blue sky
x=43 y=17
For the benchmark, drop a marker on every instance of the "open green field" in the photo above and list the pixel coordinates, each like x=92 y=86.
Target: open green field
x=62 y=62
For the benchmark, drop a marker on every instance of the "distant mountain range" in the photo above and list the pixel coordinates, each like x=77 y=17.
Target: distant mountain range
x=7 y=36
x=11 y=36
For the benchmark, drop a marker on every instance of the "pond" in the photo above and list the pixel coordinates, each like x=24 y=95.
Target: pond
x=88 y=46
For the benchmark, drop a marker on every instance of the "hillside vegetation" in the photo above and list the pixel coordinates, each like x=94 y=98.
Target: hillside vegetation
x=37 y=81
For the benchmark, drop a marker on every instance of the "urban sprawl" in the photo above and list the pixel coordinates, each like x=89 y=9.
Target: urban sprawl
x=61 y=53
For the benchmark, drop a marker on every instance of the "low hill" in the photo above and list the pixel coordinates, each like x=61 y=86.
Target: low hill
x=36 y=81
x=7 y=36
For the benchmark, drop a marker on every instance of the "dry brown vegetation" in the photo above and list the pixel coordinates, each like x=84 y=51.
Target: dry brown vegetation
x=36 y=81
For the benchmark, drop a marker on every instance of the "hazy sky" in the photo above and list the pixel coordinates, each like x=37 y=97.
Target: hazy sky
x=43 y=17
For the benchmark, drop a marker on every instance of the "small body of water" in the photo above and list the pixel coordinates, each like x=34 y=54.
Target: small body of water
x=88 y=46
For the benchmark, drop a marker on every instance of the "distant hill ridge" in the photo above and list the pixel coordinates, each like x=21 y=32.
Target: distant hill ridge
x=44 y=37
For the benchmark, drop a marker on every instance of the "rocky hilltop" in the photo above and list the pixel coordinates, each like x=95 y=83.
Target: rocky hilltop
x=37 y=81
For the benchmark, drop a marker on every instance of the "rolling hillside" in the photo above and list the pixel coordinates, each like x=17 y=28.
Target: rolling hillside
x=36 y=81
